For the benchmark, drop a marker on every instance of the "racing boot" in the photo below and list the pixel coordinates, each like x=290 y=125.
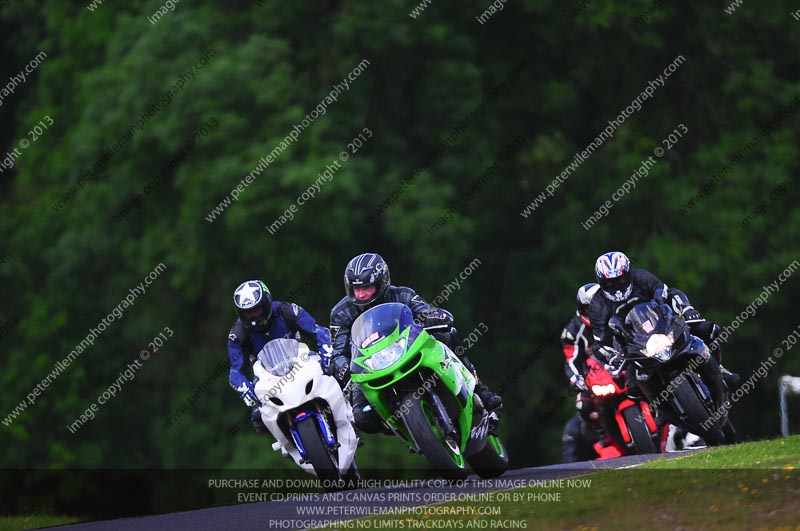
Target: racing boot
x=339 y=368
x=712 y=377
x=365 y=418
x=258 y=424
x=570 y=452
x=731 y=379
x=708 y=331
x=490 y=399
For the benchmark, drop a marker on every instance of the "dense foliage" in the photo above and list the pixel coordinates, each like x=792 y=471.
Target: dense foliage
x=469 y=123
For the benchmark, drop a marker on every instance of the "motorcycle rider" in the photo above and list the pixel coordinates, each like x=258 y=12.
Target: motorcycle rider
x=367 y=284
x=576 y=338
x=260 y=320
x=576 y=341
x=622 y=287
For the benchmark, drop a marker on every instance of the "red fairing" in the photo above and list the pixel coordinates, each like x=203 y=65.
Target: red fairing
x=613 y=450
x=623 y=427
x=611 y=391
x=664 y=437
x=598 y=375
x=648 y=417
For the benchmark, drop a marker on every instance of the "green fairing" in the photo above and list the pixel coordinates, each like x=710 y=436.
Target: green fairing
x=433 y=357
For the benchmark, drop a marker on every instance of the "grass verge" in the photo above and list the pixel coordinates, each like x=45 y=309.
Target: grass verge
x=754 y=486
x=19 y=523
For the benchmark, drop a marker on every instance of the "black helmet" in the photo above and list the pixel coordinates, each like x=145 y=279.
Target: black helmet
x=253 y=304
x=365 y=270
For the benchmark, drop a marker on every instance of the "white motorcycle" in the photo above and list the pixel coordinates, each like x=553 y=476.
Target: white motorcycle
x=307 y=413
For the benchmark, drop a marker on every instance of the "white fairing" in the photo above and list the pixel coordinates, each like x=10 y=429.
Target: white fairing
x=464 y=377
x=290 y=389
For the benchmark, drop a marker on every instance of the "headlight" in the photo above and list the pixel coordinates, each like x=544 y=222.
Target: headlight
x=387 y=356
x=603 y=390
x=659 y=346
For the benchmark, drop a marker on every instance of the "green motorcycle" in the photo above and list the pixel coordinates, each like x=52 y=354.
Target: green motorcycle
x=424 y=393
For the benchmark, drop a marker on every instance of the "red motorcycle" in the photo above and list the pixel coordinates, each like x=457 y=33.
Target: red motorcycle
x=637 y=427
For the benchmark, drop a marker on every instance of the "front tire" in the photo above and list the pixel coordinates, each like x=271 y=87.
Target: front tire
x=640 y=435
x=318 y=453
x=444 y=455
x=697 y=414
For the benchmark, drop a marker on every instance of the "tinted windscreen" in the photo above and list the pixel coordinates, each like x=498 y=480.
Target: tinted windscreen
x=379 y=322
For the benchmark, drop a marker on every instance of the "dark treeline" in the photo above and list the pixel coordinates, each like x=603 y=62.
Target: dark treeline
x=532 y=140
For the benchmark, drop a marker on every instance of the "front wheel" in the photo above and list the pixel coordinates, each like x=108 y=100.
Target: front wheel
x=441 y=450
x=697 y=414
x=640 y=435
x=318 y=454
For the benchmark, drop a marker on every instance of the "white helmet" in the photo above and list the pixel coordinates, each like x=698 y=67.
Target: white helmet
x=585 y=294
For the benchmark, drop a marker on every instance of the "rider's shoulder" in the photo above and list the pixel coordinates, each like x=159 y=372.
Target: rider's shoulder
x=238 y=333
x=599 y=304
x=343 y=311
x=401 y=294
x=343 y=304
x=641 y=274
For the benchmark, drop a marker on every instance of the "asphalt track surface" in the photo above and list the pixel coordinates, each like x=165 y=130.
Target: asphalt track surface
x=287 y=514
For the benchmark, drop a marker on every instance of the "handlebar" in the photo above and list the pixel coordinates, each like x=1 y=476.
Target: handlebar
x=615 y=365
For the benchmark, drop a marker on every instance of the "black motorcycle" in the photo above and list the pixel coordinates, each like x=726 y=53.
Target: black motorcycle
x=675 y=371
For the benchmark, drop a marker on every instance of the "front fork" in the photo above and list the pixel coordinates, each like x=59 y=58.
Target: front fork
x=322 y=423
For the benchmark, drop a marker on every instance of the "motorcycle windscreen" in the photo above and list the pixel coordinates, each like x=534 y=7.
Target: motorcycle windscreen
x=380 y=322
x=279 y=356
x=644 y=319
